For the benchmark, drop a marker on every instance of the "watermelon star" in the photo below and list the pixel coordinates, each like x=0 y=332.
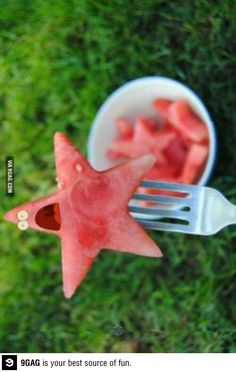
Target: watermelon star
x=89 y=211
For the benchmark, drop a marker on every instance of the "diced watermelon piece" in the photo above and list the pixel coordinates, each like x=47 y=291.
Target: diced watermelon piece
x=162 y=106
x=164 y=172
x=186 y=141
x=149 y=123
x=194 y=163
x=142 y=134
x=171 y=142
x=125 y=128
x=168 y=173
x=114 y=155
x=147 y=139
x=176 y=152
x=181 y=116
x=125 y=149
x=153 y=173
x=205 y=142
x=164 y=137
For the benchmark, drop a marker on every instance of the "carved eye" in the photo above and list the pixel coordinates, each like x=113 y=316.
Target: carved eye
x=23 y=225
x=49 y=217
x=22 y=215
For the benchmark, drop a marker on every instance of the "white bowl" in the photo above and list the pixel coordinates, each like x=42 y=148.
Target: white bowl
x=134 y=99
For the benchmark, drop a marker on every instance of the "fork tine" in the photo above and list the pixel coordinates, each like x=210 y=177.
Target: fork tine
x=184 y=201
x=169 y=186
x=162 y=226
x=164 y=212
x=156 y=218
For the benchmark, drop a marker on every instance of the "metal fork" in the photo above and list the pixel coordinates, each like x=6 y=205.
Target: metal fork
x=198 y=210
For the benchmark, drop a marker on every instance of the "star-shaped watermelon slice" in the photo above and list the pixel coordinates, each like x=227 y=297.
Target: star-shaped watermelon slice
x=89 y=211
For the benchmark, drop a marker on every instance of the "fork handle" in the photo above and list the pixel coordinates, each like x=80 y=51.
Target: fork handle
x=218 y=212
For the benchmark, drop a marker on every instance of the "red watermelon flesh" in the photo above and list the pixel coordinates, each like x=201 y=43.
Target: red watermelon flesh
x=163 y=138
x=176 y=152
x=170 y=137
x=123 y=148
x=144 y=137
x=194 y=163
x=89 y=212
x=142 y=134
x=162 y=106
x=149 y=123
x=167 y=173
x=125 y=129
x=181 y=116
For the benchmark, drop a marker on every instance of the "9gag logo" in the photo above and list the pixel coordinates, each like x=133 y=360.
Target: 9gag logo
x=9 y=362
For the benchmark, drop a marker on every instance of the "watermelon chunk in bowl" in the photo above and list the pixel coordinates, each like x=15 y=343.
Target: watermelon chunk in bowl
x=158 y=109
x=178 y=139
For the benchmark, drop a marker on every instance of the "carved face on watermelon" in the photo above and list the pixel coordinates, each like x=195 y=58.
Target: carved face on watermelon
x=89 y=211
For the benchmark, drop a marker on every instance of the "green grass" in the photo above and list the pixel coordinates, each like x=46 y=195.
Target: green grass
x=58 y=61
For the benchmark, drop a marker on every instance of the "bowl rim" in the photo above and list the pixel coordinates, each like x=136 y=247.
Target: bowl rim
x=207 y=172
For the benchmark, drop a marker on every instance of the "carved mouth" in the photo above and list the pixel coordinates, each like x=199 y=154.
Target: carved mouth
x=49 y=217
